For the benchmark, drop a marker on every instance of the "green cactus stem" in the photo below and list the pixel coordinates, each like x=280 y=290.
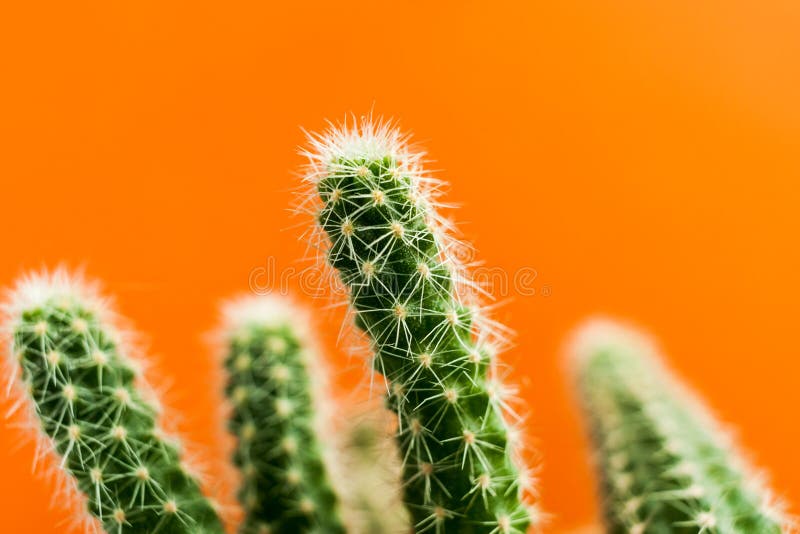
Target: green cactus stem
x=381 y=231
x=84 y=392
x=277 y=404
x=665 y=465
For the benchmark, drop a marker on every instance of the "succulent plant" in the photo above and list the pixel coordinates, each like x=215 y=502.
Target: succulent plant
x=666 y=466
x=372 y=463
x=380 y=228
x=85 y=395
x=278 y=401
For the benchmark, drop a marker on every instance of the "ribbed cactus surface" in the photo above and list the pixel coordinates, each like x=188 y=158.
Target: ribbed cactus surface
x=392 y=249
x=276 y=398
x=83 y=389
x=665 y=464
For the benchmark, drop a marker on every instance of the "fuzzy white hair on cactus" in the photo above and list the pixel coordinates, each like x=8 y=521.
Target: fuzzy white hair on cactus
x=335 y=149
x=359 y=138
x=37 y=288
x=268 y=311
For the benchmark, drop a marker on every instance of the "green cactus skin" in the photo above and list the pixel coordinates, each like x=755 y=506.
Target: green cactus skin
x=387 y=242
x=82 y=388
x=273 y=386
x=665 y=465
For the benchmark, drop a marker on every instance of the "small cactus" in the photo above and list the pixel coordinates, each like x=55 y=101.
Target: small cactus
x=665 y=464
x=372 y=463
x=277 y=399
x=84 y=391
x=391 y=248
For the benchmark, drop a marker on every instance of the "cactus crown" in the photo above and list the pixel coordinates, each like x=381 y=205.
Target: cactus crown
x=276 y=396
x=432 y=343
x=665 y=464
x=86 y=395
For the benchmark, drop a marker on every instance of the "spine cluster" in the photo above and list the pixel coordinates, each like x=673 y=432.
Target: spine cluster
x=665 y=465
x=391 y=249
x=82 y=389
x=275 y=419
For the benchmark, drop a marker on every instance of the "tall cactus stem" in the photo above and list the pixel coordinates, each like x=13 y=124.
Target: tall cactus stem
x=665 y=464
x=381 y=229
x=88 y=405
x=372 y=464
x=275 y=386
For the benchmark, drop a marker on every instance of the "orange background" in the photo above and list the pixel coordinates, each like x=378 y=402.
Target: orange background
x=642 y=156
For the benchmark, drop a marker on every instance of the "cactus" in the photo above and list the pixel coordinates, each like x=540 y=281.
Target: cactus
x=276 y=394
x=372 y=463
x=84 y=391
x=665 y=465
x=392 y=248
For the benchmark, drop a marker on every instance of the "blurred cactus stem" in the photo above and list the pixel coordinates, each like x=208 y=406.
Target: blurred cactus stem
x=275 y=385
x=380 y=228
x=372 y=464
x=83 y=389
x=665 y=465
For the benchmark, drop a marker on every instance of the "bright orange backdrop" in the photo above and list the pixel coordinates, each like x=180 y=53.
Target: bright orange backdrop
x=642 y=156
